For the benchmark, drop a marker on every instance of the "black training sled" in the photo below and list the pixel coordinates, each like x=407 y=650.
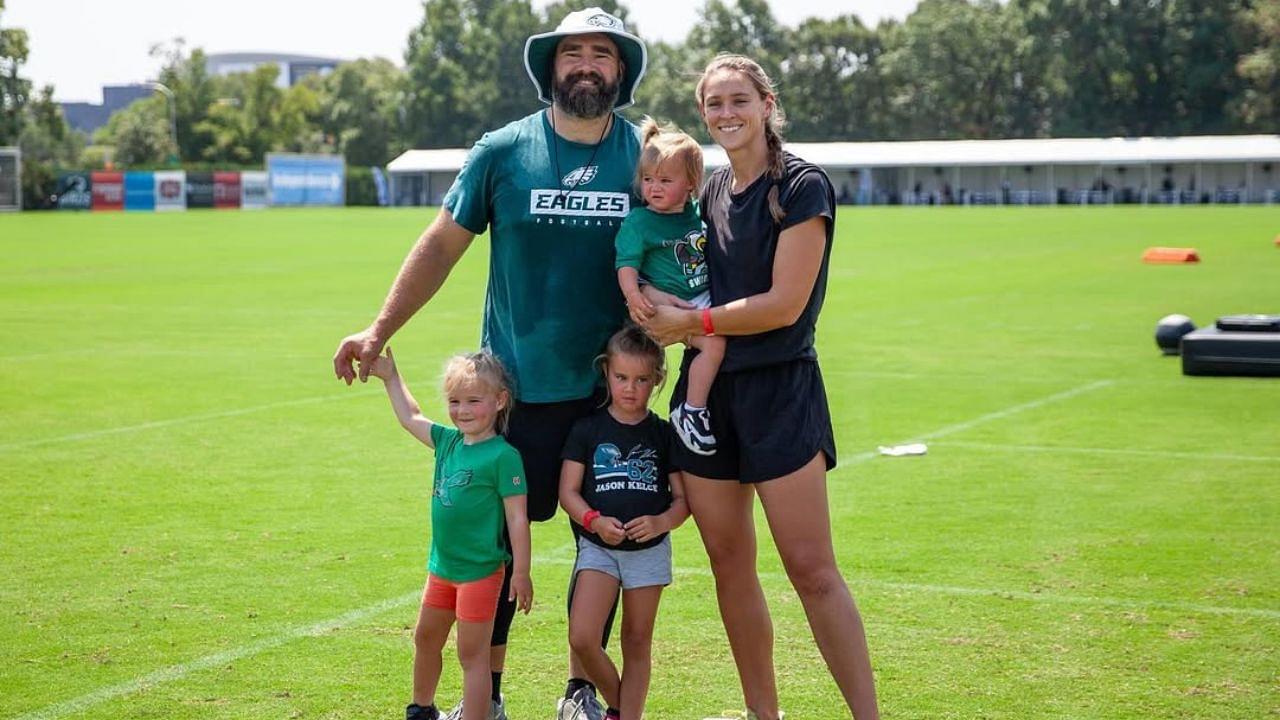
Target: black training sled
x=1235 y=345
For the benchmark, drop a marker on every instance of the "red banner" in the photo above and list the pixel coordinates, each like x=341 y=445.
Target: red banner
x=108 y=190
x=226 y=189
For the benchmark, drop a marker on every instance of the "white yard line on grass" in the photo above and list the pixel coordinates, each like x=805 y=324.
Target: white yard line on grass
x=981 y=419
x=186 y=419
x=1127 y=604
x=1112 y=451
x=71 y=708
x=558 y=557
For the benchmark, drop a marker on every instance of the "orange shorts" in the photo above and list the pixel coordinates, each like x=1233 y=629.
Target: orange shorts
x=475 y=601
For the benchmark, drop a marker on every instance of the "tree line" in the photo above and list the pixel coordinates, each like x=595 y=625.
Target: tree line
x=952 y=69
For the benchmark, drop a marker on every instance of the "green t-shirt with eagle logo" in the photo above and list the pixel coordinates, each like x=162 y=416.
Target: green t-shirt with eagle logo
x=668 y=249
x=467 y=514
x=552 y=208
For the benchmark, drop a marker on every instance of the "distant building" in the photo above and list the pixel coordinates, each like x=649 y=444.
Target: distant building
x=293 y=68
x=1076 y=171
x=87 y=117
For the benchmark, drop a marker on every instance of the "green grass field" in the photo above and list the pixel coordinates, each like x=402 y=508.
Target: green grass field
x=197 y=520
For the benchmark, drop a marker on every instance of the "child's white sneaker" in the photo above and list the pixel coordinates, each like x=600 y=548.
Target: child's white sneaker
x=582 y=706
x=497 y=711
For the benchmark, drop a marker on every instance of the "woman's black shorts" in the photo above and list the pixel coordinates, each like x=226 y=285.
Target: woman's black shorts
x=768 y=422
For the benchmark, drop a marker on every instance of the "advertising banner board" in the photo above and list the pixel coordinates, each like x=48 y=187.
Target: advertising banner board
x=307 y=180
x=74 y=191
x=226 y=189
x=171 y=190
x=139 y=190
x=108 y=190
x=200 y=190
x=254 y=191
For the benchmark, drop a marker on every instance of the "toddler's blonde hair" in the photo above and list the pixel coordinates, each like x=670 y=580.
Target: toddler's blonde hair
x=659 y=143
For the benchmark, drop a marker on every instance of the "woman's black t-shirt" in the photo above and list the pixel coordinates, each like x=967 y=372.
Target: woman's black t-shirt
x=742 y=239
x=626 y=469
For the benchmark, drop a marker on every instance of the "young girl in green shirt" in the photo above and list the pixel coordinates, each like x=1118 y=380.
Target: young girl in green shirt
x=478 y=492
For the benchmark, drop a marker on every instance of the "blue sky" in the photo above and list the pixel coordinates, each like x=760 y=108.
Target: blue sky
x=81 y=45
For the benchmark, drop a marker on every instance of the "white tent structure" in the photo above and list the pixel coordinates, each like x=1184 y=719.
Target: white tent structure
x=1218 y=169
x=422 y=177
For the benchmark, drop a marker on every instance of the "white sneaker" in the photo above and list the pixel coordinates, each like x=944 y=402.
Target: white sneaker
x=583 y=705
x=497 y=711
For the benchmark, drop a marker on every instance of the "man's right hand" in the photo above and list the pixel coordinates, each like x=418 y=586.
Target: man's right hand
x=363 y=348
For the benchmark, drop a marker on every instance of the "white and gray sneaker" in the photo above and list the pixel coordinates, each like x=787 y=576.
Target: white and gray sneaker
x=693 y=425
x=583 y=705
x=497 y=711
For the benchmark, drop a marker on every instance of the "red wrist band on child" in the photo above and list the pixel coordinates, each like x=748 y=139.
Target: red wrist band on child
x=588 y=517
x=707 y=328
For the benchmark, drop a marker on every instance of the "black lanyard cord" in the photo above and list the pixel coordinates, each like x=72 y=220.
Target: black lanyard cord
x=555 y=155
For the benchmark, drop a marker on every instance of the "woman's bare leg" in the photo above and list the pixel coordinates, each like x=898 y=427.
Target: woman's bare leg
x=723 y=512
x=800 y=520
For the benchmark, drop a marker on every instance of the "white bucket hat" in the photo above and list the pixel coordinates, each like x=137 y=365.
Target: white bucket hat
x=539 y=50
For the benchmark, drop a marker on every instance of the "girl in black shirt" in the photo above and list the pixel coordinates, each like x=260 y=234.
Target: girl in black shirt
x=618 y=486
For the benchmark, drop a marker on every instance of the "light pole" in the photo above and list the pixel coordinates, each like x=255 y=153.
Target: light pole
x=173 y=114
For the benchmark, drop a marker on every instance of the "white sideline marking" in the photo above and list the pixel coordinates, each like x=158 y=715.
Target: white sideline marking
x=175 y=672
x=1265 y=613
x=1112 y=451
x=997 y=415
x=177 y=421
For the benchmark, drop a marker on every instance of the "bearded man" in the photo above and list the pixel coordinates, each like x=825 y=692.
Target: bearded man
x=552 y=189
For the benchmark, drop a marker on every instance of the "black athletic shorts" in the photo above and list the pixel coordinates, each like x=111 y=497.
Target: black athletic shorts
x=538 y=431
x=768 y=422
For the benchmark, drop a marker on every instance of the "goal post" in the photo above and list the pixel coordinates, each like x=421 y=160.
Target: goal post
x=10 y=178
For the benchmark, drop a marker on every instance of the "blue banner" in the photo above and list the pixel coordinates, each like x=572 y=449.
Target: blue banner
x=139 y=191
x=306 y=179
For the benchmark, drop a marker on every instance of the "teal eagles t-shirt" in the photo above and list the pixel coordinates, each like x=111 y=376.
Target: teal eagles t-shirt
x=668 y=249
x=467 y=513
x=552 y=208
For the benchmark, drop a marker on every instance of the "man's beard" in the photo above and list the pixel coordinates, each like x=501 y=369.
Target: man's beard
x=584 y=101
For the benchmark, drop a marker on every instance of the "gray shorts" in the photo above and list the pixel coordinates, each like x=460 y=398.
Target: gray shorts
x=632 y=568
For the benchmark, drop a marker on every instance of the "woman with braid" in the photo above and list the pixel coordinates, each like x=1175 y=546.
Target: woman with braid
x=770 y=220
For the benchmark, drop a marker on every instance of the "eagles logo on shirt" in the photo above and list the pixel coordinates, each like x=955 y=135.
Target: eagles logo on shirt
x=581 y=176
x=444 y=487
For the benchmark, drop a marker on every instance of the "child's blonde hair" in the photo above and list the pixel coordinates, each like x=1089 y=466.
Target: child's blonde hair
x=480 y=368
x=659 y=143
x=632 y=340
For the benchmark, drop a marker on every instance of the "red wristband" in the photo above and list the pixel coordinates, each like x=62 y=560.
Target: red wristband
x=588 y=517
x=707 y=328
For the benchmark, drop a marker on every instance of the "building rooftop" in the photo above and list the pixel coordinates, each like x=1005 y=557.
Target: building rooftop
x=952 y=153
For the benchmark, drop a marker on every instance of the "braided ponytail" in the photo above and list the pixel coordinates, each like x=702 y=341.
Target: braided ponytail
x=777 y=169
x=773 y=125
